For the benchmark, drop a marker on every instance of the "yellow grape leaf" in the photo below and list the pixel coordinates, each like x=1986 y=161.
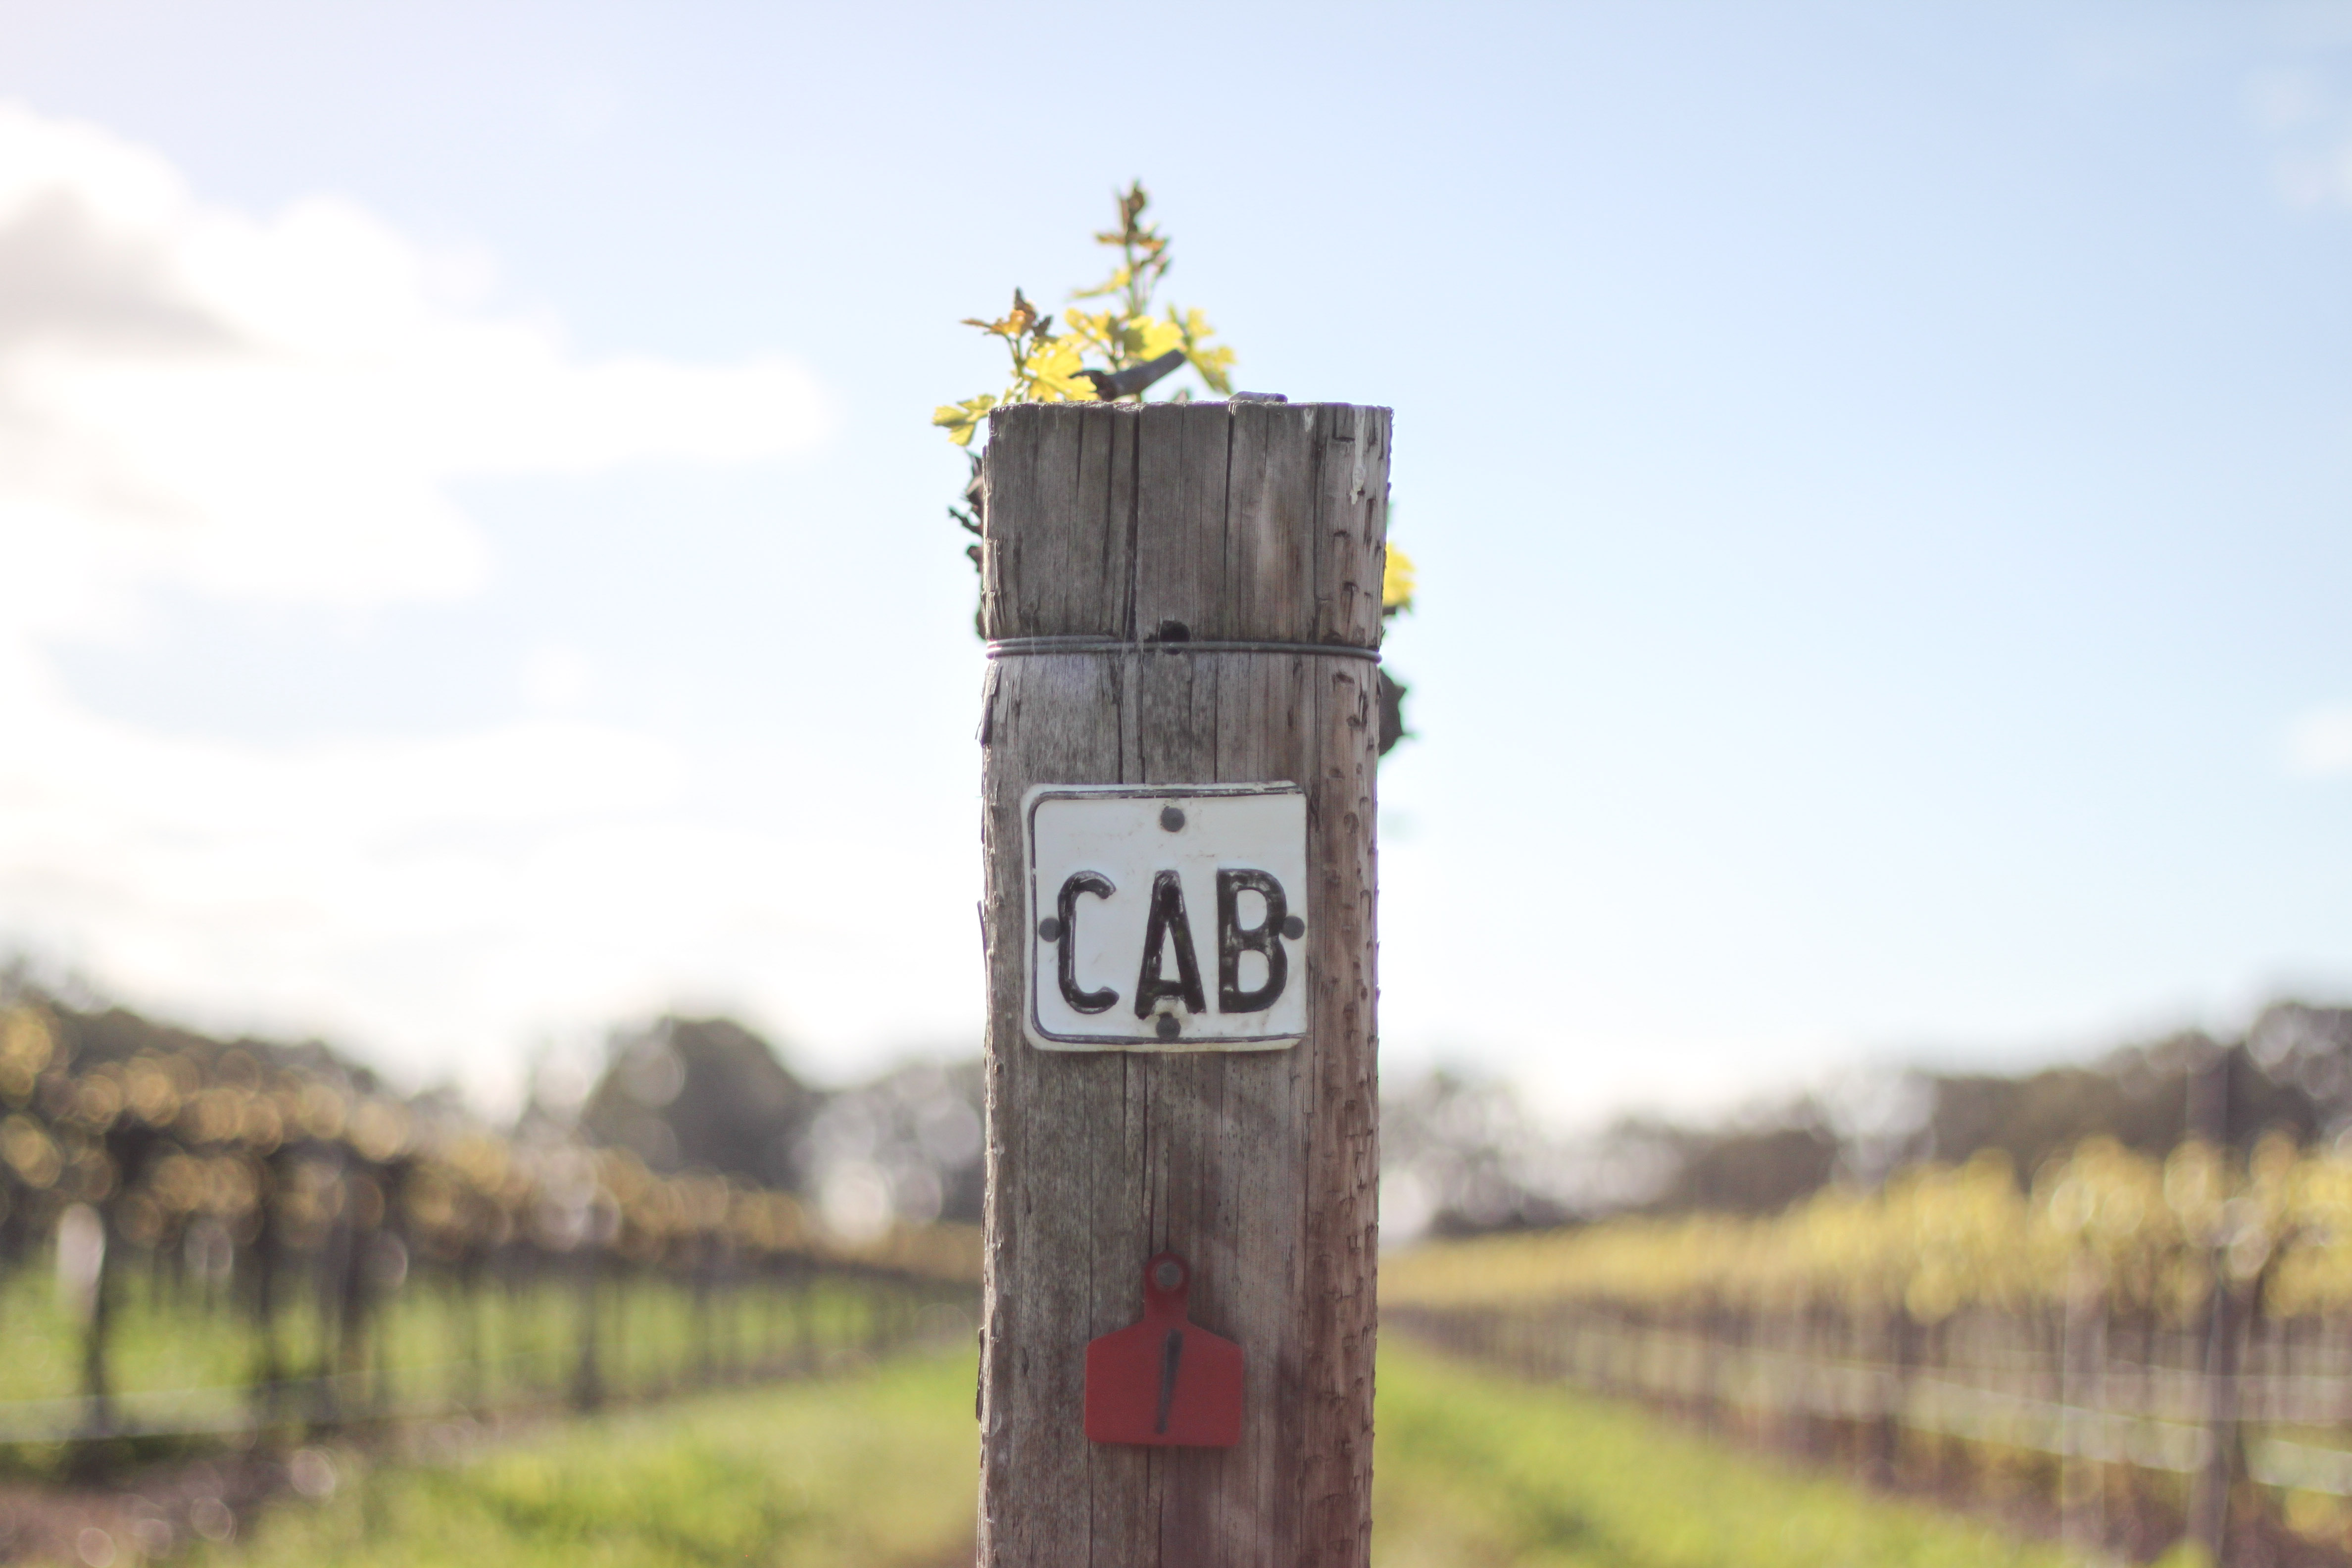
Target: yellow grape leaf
x=1051 y=373
x=1021 y=318
x=1156 y=338
x=1211 y=363
x=1097 y=329
x=1397 y=582
x=961 y=420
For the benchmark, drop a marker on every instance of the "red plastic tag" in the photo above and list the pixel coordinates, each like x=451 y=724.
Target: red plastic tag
x=1164 y=1381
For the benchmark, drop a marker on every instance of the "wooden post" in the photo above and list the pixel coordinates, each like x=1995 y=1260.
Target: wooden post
x=1253 y=521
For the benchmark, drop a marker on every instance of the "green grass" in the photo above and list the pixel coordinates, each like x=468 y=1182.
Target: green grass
x=876 y=1470
x=879 y=1468
x=1475 y=1468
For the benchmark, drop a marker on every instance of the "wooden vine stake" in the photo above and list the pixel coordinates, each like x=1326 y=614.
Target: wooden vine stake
x=1141 y=533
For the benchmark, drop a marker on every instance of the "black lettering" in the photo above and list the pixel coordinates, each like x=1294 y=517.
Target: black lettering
x=1067 y=963
x=1233 y=939
x=1166 y=918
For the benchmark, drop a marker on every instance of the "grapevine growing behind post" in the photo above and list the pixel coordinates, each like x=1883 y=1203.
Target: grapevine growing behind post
x=1050 y=367
x=1134 y=343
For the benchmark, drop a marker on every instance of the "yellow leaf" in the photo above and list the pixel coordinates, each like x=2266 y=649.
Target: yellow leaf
x=962 y=420
x=1211 y=363
x=1051 y=374
x=1156 y=338
x=1097 y=330
x=1397 y=582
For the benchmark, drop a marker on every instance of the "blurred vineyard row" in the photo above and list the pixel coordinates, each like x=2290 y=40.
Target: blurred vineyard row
x=2150 y=1234
x=271 y=1226
x=2137 y=1345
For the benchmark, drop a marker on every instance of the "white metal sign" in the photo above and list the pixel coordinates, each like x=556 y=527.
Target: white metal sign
x=1166 y=917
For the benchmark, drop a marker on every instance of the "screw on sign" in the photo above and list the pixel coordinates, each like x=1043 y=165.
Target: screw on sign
x=1166 y=1381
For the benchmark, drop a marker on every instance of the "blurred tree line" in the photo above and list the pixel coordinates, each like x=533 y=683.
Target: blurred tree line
x=712 y=1094
x=1463 y=1156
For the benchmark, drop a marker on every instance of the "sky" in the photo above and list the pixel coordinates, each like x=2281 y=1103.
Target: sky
x=474 y=567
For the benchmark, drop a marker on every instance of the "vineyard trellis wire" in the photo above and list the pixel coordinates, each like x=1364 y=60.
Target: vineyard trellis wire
x=319 y=1252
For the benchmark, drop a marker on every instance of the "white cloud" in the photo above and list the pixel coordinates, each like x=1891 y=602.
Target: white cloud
x=2284 y=100
x=2315 y=179
x=274 y=408
x=2310 y=134
x=557 y=679
x=2319 y=743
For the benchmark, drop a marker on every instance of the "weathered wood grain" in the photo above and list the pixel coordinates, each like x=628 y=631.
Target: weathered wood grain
x=1075 y=578
x=1247 y=522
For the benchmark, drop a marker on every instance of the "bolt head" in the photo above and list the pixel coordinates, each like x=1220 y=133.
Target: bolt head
x=1172 y=819
x=1294 y=928
x=1050 y=929
x=1168 y=1026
